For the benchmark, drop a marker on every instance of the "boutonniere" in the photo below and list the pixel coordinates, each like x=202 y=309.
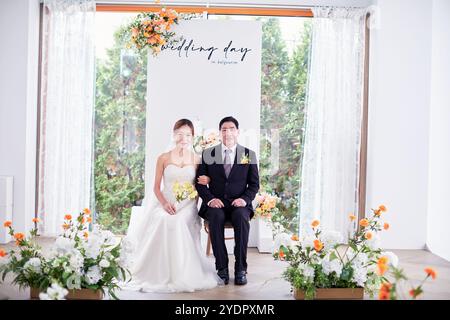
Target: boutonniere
x=245 y=159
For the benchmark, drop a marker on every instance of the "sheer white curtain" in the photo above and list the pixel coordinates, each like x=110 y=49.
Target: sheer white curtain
x=330 y=163
x=67 y=99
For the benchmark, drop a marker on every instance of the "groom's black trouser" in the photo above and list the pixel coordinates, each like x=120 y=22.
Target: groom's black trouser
x=239 y=217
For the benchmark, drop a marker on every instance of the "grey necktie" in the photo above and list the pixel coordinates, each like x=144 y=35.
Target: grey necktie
x=227 y=162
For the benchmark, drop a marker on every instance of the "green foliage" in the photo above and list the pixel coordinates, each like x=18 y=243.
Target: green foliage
x=119 y=135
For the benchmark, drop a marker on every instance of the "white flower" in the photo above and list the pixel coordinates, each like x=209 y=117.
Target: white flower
x=93 y=275
x=307 y=271
x=332 y=266
x=34 y=265
x=104 y=263
x=64 y=245
x=391 y=257
x=359 y=275
x=4 y=260
x=374 y=243
x=55 y=292
x=282 y=239
x=330 y=239
x=76 y=261
x=307 y=241
x=74 y=281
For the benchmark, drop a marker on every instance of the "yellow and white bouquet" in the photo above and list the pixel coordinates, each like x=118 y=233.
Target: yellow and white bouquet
x=184 y=190
x=267 y=205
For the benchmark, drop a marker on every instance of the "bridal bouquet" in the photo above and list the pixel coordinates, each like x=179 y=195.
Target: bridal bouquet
x=319 y=259
x=152 y=30
x=78 y=259
x=267 y=205
x=183 y=191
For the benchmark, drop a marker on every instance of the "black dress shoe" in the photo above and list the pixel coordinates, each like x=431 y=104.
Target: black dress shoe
x=240 y=278
x=224 y=275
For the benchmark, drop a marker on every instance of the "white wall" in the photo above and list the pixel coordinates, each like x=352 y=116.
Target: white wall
x=19 y=24
x=399 y=85
x=438 y=237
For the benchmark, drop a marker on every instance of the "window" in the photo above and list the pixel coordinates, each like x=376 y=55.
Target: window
x=120 y=115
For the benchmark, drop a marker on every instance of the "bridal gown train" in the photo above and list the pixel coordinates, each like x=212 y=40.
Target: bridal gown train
x=169 y=256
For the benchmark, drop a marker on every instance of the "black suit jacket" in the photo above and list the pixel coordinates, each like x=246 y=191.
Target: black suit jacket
x=242 y=182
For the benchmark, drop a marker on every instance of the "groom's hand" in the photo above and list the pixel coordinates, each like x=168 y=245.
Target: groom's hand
x=216 y=203
x=239 y=203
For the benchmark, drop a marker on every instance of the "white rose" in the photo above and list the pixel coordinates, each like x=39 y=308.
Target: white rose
x=93 y=275
x=104 y=263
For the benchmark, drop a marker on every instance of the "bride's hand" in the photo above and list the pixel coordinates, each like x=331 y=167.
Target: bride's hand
x=170 y=208
x=204 y=180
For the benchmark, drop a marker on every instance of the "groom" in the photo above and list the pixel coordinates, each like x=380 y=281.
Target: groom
x=233 y=171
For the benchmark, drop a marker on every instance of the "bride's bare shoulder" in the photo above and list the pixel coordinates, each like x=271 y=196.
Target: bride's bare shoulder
x=163 y=157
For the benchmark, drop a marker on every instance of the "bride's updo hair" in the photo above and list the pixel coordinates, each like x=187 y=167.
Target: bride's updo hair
x=184 y=122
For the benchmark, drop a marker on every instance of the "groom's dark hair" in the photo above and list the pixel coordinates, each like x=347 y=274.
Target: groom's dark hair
x=229 y=119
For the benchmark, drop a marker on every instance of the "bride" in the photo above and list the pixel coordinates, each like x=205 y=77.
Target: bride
x=168 y=256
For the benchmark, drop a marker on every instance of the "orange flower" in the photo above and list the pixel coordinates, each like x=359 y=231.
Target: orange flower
x=318 y=245
x=36 y=220
x=386 y=226
x=382 y=208
x=2 y=253
x=385 y=293
x=430 y=272
x=19 y=236
x=68 y=217
x=377 y=212
x=368 y=235
x=382 y=260
x=315 y=223
x=352 y=217
x=66 y=226
x=89 y=219
x=294 y=237
x=364 y=222
x=281 y=254
x=382 y=268
x=7 y=224
x=86 y=211
x=86 y=234
x=83 y=220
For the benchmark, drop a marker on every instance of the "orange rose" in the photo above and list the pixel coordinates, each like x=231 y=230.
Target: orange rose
x=281 y=254
x=83 y=220
x=377 y=212
x=430 y=272
x=364 y=222
x=318 y=245
x=368 y=235
x=382 y=208
x=86 y=234
x=352 y=217
x=89 y=219
x=66 y=226
x=315 y=223
x=386 y=226
x=19 y=236
x=294 y=237
x=86 y=211
x=382 y=260
x=68 y=217
x=7 y=224
x=2 y=253
x=36 y=220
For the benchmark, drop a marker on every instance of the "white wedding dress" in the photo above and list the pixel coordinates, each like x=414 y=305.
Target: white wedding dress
x=168 y=255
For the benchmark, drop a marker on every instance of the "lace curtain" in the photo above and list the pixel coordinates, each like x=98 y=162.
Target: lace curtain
x=330 y=165
x=67 y=100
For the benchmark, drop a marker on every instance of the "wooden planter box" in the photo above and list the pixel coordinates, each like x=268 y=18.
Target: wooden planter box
x=81 y=294
x=333 y=294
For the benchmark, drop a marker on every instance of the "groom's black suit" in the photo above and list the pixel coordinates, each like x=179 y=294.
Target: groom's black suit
x=242 y=182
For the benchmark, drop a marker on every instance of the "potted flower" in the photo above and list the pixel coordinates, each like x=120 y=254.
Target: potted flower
x=84 y=260
x=322 y=266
